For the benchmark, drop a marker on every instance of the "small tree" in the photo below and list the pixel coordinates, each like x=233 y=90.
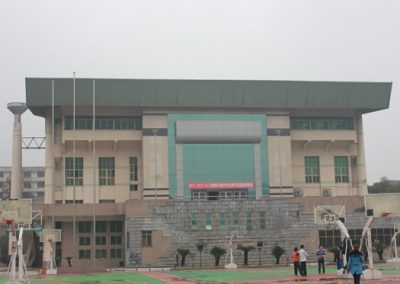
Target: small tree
x=379 y=248
x=217 y=252
x=277 y=252
x=245 y=250
x=183 y=253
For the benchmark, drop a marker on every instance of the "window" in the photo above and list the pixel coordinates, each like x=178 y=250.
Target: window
x=101 y=226
x=40 y=184
x=27 y=184
x=341 y=169
x=116 y=226
x=222 y=221
x=103 y=122
x=101 y=253
x=40 y=174
x=85 y=227
x=133 y=187
x=84 y=254
x=146 y=239
x=322 y=123
x=84 y=241
x=116 y=240
x=194 y=221
x=101 y=241
x=208 y=221
x=329 y=238
x=107 y=171
x=27 y=174
x=311 y=166
x=235 y=219
x=106 y=201
x=262 y=220
x=72 y=202
x=116 y=253
x=72 y=173
x=249 y=221
x=133 y=169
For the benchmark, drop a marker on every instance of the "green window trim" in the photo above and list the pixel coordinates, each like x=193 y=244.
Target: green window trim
x=222 y=221
x=84 y=241
x=147 y=239
x=340 y=123
x=84 y=227
x=116 y=240
x=235 y=219
x=312 y=169
x=104 y=122
x=101 y=253
x=249 y=221
x=116 y=226
x=84 y=254
x=116 y=253
x=194 y=221
x=208 y=219
x=133 y=168
x=106 y=171
x=341 y=169
x=73 y=175
x=262 y=220
x=101 y=240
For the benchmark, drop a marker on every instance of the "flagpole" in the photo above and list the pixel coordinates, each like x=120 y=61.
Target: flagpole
x=94 y=169
x=73 y=167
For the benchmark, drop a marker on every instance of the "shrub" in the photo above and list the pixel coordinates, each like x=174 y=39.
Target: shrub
x=183 y=253
x=245 y=250
x=277 y=252
x=217 y=252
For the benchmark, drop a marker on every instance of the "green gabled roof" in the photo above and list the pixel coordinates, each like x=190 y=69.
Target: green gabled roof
x=152 y=93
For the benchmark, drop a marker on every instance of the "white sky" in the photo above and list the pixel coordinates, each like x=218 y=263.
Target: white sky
x=208 y=39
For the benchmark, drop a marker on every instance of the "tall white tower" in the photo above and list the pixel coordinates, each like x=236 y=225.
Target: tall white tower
x=16 y=188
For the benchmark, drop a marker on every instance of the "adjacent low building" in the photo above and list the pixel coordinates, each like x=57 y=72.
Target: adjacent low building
x=137 y=168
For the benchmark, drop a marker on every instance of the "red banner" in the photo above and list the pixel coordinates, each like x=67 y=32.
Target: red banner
x=220 y=185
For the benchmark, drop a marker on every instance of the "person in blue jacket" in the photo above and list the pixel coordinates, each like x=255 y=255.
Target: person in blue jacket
x=355 y=264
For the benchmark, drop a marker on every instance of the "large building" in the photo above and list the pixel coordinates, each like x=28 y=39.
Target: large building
x=32 y=183
x=161 y=164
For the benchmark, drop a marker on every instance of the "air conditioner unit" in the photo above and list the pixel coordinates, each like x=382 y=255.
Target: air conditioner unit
x=327 y=192
x=298 y=192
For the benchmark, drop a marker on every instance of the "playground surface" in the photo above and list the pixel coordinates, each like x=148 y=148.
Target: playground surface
x=266 y=275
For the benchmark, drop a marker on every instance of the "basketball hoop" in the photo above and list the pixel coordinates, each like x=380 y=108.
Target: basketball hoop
x=8 y=221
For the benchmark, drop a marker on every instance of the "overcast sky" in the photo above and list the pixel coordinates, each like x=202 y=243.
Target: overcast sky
x=207 y=39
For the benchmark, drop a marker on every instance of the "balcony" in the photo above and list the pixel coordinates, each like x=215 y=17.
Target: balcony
x=102 y=135
x=324 y=135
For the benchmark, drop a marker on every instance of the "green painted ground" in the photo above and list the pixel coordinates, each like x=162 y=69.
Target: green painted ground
x=109 y=278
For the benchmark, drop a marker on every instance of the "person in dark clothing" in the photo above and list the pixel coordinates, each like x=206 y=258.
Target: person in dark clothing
x=296 y=263
x=355 y=264
x=321 y=259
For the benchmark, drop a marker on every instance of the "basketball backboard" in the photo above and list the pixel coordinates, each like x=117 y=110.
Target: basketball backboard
x=53 y=235
x=328 y=214
x=382 y=205
x=20 y=211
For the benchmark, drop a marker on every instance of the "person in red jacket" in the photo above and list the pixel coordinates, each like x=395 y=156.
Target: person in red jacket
x=296 y=263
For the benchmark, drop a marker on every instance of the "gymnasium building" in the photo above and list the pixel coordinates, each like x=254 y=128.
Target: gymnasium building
x=138 y=168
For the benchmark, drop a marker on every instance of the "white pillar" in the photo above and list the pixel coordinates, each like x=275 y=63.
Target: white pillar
x=49 y=163
x=361 y=165
x=16 y=187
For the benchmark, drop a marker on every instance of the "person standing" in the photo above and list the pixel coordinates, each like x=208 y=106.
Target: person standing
x=338 y=257
x=355 y=264
x=321 y=259
x=296 y=263
x=303 y=261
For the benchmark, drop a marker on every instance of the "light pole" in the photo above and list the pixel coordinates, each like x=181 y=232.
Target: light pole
x=155 y=131
x=259 y=247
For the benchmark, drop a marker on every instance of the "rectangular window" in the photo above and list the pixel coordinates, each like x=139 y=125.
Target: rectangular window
x=322 y=123
x=341 y=169
x=116 y=240
x=106 y=201
x=208 y=221
x=101 y=240
x=84 y=241
x=73 y=173
x=72 y=201
x=116 y=226
x=133 y=169
x=146 y=239
x=262 y=220
x=84 y=254
x=311 y=167
x=194 y=221
x=101 y=253
x=116 y=253
x=107 y=171
x=222 y=221
x=133 y=187
x=84 y=227
x=103 y=122
x=249 y=221
x=235 y=220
